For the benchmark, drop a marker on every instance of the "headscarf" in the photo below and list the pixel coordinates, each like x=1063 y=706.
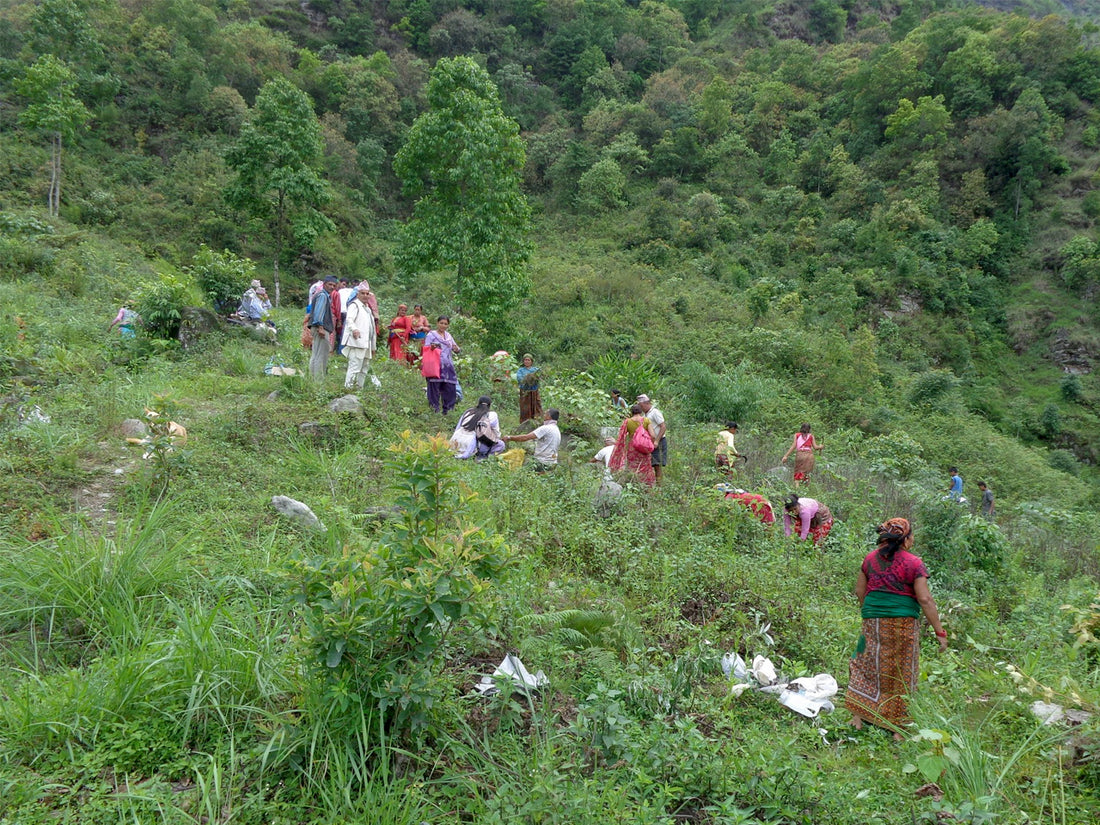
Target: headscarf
x=472 y=417
x=893 y=535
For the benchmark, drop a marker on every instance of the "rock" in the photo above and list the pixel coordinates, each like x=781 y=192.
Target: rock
x=134 y=428
x=346 y=404
x=607 y=497
x=273 y=396
x=1070 y=353
x=382 y=513
x=195 y=322
x=1077 y=717
x=32 y=415
x=263 y=332
x=1048 y=714
x=294 y=509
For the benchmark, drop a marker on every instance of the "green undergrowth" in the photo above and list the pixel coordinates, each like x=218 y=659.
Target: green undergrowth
x=173 y=650
x=159 y=666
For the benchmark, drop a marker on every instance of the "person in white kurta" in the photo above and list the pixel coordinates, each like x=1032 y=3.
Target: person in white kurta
x=359 y=340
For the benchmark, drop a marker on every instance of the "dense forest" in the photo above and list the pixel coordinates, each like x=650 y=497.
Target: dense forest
x=879 y=217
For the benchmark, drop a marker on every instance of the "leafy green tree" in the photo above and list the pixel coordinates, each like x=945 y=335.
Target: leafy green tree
x=920 y=128
x=600 y=189
x=278 y=159
x=462 y=163
x=54 y=110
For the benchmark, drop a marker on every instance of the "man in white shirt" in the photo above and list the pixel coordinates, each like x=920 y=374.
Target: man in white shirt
x=547 y=439
x=656 y=418
x=604 y=457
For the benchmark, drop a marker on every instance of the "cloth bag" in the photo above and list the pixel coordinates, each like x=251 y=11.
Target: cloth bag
x=642 y=441
x=429 y=362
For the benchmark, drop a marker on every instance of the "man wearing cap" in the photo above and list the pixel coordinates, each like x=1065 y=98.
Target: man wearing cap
x=547 y=439
x=323 y=325
x=659 y=457
x=359 y=340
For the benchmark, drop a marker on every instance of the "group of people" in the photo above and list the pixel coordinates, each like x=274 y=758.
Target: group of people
x=892 y=582
x=477 y=435
x=255 y=306
x=642 y=444
x=343 y=319
x=987 y=506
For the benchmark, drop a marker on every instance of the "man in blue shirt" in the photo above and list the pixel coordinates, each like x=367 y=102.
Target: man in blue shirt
x=955 y=490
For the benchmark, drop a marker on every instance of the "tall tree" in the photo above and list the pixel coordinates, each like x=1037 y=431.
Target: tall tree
x=54 y=110
x=278 y=160
x=462 y=163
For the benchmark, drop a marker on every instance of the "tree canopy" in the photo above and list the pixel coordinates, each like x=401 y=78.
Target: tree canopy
x=462 y=162
x=278 y=162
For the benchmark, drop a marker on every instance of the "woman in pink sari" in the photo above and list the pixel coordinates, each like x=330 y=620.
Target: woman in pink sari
x=627 y=455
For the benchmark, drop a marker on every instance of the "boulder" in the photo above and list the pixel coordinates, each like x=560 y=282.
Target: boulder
x=134 y=428
x=1070 y=352
x=195 y=322
x=346 y=404
x=299 y=512
x=607 y=497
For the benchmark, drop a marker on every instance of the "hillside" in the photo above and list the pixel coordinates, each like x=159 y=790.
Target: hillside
x=879 y=218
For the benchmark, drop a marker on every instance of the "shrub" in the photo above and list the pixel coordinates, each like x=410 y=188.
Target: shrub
x=600 y=189
x=1050 y=421
x=160 y=304
x=222 y=276
x=710 y=396
x=1065 y=461
x=630 y=376
x=933 y=390
x=1071 y=389
x=895 y=455
x=376 y=622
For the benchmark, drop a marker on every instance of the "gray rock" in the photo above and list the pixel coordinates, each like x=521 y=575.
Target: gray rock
x=134 y=428
x=195 y=322
x=346 y=404
x=607 y=497
x=294 y=509
x=379 y=514
x=273 y=396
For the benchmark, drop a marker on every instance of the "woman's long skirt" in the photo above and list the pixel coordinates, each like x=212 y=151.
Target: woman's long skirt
x=883 y=672
x=530 y=406
x=803 y=464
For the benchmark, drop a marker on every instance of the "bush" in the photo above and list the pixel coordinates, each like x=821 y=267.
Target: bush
x=600 y=189
x=933 y=390
x=895 y=456
x=375 y=622
x=160 y=304
x=1064 y=461
x=222 y=276
x=630 y=376
x=710 y=396
x=1072 y=391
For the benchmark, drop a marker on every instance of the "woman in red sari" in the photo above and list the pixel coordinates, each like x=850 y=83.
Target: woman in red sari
x=626 y=455
x=400 y=329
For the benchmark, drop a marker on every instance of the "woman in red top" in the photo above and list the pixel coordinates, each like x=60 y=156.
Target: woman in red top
x=400 y=329
x=803 y=448
x=892 y=588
